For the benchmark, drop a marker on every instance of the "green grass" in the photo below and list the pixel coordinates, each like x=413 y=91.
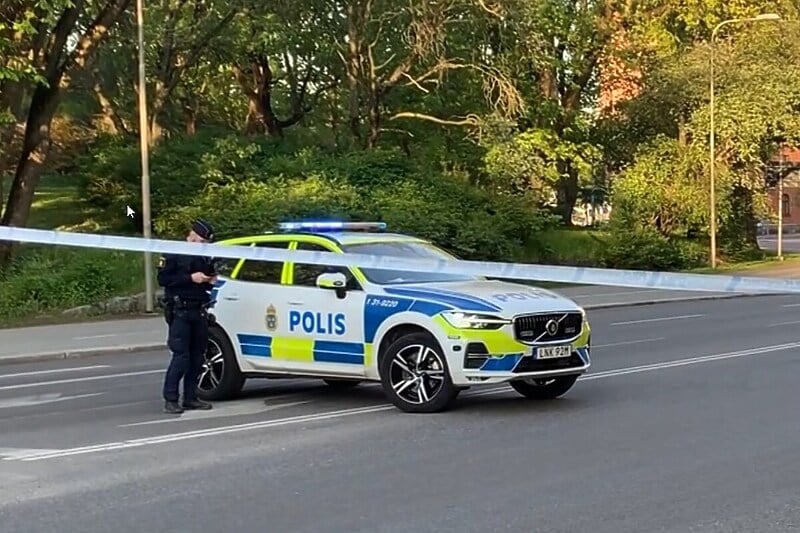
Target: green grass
x=754 y=268
x=57 y=205
x=44 y=280
x=562 y=246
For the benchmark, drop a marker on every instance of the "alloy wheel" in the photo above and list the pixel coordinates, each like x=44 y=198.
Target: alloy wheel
x=417 y=374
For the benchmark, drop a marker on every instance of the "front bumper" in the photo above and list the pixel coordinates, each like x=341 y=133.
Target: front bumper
x=516 y=366
x=495 y=356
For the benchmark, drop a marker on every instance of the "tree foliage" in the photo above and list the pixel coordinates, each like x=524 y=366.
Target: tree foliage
x=502 y=96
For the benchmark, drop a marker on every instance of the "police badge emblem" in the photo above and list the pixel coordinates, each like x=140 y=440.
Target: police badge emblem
x=271 y=318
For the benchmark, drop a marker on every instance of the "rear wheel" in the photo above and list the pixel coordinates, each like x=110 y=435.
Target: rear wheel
x=544 y=388
x=220 y=377
x=415 y=375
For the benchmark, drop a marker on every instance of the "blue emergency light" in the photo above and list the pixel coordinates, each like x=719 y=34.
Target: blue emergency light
x=322 y=226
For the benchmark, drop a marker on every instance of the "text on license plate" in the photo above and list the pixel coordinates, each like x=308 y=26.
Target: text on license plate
x=553 y=352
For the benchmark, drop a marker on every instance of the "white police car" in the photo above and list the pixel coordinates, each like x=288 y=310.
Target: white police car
x=424 y=336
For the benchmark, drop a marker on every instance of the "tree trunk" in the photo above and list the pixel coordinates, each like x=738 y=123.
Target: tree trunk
x=374 y=116
x=567 y=192
x=190 y=119
x=35 y=148
x=111 y=120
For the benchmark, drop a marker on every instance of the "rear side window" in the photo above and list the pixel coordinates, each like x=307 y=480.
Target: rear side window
x=305 y=275
x=263 y=271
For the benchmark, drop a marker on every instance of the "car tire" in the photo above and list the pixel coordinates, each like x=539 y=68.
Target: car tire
x=220 y=376
x=342 y=384
x=547 y=389
x=427 y=388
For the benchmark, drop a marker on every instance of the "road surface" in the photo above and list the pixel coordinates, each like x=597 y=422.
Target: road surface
x=687 y=423
x=790 y=244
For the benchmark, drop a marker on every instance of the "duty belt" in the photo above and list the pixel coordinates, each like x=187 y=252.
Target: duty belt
x=183 y=303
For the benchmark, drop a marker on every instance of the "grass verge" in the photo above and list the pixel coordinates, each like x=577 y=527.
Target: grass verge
x=43 y=280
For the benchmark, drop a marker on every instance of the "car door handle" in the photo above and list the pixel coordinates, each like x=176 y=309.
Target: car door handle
x=295 y=303
x=231 y=297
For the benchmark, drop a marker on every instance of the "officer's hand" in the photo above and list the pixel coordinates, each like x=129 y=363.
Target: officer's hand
x=199 y=277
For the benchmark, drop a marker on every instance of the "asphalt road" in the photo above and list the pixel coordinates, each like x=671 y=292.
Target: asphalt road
x=791 y=242
x=687 y=423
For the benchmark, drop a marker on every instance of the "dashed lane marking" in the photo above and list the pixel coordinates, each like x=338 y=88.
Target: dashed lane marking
x=187 y=435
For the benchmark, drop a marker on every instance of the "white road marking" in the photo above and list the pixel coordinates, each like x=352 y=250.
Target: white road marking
x=9 y=454
x=691 y=361
x=53 y=371
x=625 y=343
x=240 y=408
x=784 y=324
x=661 y=319
x=79 y=380
x=26 y=401
x=790 y=305
x=292 y=420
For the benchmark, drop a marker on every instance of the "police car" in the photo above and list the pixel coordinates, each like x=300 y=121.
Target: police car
x=424 y=336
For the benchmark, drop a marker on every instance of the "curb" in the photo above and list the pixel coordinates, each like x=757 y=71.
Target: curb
x=611 y=305
x=134 y=349
x=80 y=353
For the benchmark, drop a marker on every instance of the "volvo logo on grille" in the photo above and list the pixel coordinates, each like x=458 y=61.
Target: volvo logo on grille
x=551 y=327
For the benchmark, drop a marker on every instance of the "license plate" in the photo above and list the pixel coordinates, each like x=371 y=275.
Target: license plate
x=553 y=352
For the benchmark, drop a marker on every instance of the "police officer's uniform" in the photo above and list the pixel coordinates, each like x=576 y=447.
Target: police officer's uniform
x=186 y=304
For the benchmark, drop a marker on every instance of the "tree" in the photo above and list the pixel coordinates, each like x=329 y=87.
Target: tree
x=55 y=57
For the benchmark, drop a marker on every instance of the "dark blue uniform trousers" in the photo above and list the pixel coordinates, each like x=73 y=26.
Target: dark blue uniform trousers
x=188 y=336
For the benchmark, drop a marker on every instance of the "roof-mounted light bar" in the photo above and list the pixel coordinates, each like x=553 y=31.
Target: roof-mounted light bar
x=323 y=226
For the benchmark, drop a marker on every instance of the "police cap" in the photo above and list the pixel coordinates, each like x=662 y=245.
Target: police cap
x=203 y=229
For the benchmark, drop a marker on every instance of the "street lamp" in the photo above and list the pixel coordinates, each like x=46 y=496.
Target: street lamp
x=712 y=201
x=143 y=136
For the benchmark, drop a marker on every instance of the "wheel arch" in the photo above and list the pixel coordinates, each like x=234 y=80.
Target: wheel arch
x=220 y=331
x=399 y=330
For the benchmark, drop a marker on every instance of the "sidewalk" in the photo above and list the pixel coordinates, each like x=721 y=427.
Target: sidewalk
x=149 y=333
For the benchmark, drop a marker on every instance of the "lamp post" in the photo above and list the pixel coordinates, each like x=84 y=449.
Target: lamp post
x=713 y=200
x=143 y=136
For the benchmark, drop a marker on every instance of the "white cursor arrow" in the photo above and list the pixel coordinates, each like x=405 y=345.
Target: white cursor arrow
x=129 y=211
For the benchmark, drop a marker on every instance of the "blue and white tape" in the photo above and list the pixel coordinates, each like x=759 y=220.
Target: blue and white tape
x=530 y=272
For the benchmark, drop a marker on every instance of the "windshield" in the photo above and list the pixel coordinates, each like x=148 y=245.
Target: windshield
x=411 y=250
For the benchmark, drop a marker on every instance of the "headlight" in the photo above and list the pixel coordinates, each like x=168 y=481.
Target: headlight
x=474 y=321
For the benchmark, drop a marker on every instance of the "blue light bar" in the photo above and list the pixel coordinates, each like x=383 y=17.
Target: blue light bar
x=332 y=226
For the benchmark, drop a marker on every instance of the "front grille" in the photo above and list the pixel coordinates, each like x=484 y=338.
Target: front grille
x=533 y=328
x=530 y=364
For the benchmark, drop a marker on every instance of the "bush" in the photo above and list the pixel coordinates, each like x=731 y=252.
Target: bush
x=573 y=247
x=467 y=221
x=649 y=250
x=51 y=278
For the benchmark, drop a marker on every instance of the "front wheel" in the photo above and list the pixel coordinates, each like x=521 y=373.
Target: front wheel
x=220 y=377
x=544 y=388
x=415 y=375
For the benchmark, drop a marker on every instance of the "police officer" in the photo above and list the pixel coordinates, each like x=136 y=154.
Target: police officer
x=187 y=281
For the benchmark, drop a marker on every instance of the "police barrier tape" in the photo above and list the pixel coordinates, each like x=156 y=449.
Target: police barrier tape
x=517 y=271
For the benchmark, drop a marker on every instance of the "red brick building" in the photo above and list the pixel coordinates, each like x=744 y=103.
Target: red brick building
x=787 y=201
x=618 y=81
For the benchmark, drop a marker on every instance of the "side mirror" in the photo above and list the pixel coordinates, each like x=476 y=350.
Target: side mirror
x=333 y=281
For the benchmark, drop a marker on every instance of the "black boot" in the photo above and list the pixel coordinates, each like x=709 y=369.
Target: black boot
x=196 y=404
x=172 y=408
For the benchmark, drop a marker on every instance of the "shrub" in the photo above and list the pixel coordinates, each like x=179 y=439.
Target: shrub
x=51 y=278
x=649 y=250
x=467 y=221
